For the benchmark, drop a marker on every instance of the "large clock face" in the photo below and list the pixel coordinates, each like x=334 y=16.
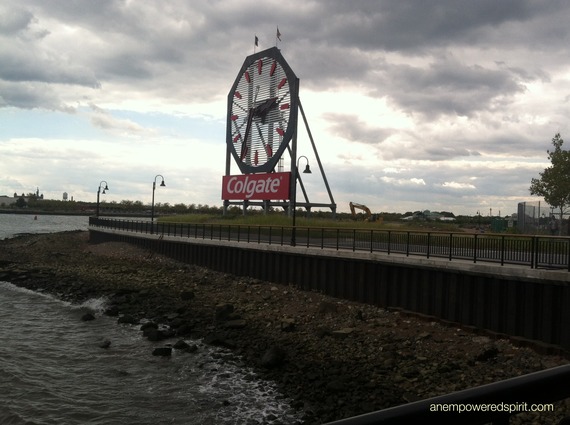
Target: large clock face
x=262 y=111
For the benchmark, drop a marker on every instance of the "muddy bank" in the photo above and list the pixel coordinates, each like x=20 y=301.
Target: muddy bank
x=333 y=358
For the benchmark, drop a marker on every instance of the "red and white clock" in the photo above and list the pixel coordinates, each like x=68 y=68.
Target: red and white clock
x=262 y=111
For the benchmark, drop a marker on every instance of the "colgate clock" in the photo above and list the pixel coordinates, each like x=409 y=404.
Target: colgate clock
x=262 y=111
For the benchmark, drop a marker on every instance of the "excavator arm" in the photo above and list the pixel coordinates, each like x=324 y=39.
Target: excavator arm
x=354 y=206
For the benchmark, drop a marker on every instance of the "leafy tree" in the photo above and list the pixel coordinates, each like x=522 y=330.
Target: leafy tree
x=21 y=202
x=554 y=182
x=179 y=208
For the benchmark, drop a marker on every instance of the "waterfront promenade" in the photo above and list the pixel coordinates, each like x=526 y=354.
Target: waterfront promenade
x=510 y=299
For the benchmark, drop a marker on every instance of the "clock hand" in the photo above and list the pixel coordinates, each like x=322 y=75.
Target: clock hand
x=260 y=111
x=263 y=109
x=246 y=135
x=265 y=106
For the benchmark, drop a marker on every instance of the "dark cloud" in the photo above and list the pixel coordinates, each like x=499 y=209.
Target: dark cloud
x=351 y=128
x=31 y=96
x=14 y=20
x=18 y=67
x=417 y=27
x=175 y=47
x=447 y=87
x=438 y=153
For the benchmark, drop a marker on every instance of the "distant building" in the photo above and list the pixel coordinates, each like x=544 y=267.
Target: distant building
x=9 y=200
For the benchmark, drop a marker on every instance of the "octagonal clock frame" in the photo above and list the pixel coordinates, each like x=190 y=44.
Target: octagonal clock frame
x=261 y=112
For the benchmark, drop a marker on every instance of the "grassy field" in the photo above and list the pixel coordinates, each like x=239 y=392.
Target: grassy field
x=283 y=220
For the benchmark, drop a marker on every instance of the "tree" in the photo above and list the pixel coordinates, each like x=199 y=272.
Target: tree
x=554 y=182
x=21 y=202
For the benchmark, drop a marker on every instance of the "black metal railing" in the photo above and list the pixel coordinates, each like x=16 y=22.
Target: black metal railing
x=527 y=250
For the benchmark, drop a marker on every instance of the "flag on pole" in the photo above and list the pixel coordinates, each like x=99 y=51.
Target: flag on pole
x=278 y=34
x=256 y=41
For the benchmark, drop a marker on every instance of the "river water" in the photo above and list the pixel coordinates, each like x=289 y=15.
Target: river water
x=53 y=369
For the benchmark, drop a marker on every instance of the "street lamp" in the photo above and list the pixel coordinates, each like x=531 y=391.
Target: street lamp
x=99 y=192
x=306 y=171
x=153 y=188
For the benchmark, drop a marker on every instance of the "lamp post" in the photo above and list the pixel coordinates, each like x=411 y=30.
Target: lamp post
x=99 y=192
x=153 y=188
x=306 y=171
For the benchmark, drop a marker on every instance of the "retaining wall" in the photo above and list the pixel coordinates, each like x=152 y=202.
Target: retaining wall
x=528 y=304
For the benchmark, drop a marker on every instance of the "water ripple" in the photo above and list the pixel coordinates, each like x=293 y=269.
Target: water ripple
x=53 y=371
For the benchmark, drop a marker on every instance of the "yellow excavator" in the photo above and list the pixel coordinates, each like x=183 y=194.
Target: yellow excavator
x=368 y=216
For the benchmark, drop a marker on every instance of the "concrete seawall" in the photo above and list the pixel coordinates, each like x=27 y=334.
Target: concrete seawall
x=531 y=305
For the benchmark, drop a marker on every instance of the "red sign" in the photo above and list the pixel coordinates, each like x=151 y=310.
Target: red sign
x=256 y=186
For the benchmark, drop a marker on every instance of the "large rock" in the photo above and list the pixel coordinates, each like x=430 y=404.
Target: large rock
x=328 y=307
x=342 y=333
x=149 y=325
x=105 y=344
x=223 y=311
x=153 y=334
x=184 y=329
x=162 y=351
x=219 y=341
x=128 y=319
x=112 y=311
x=288 y=325
x=187 y=295
x=235 y=324
x=180 y=345
x=88 y=317
x=273 y=357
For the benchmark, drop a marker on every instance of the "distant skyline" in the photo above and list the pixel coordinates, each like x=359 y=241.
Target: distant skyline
x=447 y=105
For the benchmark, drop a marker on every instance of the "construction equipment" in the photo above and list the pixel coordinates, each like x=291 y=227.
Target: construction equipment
x=368 y=216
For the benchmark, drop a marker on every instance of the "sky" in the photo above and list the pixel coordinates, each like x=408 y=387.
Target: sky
x=443 y=105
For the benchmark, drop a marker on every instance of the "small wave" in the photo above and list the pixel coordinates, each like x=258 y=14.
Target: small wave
x=97 y=305
x=22 y=290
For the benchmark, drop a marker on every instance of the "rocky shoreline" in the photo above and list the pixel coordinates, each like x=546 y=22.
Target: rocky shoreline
x=332 y=358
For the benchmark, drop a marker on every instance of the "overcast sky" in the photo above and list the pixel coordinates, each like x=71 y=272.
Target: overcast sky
x=445 y=105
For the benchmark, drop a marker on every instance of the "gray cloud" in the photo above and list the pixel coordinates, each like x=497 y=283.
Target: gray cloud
x=31 y=96
x=448 y=88
x=14 y=20
x=352 y=128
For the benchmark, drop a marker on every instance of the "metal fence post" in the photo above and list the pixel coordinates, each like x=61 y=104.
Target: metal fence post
x=353 y=240
x=533 y=253
x=337 y=238
x=475 y=248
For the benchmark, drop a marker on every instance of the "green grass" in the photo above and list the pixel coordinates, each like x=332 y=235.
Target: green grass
x=301 y=221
